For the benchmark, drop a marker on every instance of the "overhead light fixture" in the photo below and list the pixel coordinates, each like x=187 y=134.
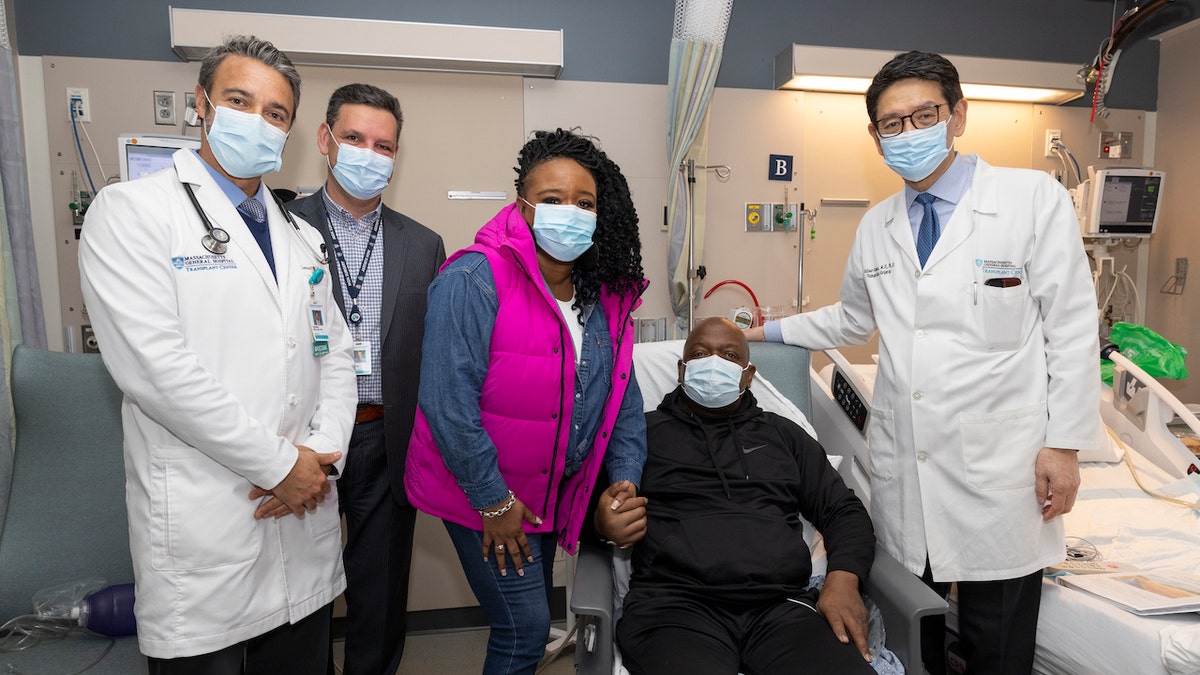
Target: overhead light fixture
x=369 y=43
x=849 y=71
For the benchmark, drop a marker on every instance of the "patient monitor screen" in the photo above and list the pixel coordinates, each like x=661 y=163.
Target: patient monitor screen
x=144 y=160
x=142 y=155
x=1128 y=204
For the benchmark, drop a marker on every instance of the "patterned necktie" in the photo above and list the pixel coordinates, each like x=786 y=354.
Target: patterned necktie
x=254 y=209
x=927 y=236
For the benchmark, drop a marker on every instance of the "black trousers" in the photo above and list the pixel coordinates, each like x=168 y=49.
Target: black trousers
x=997 y=625
x=291 y=649
x=669 y=635
x=377 y=556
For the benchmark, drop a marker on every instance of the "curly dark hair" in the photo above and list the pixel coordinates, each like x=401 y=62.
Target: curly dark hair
x=615 y=259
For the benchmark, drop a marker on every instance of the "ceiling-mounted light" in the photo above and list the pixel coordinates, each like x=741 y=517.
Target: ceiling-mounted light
x=847 y=70
x=368 y=43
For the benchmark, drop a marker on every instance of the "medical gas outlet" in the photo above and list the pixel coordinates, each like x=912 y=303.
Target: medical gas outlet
x=768 y=217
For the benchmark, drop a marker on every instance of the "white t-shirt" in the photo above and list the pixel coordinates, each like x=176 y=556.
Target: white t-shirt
x=571 y=316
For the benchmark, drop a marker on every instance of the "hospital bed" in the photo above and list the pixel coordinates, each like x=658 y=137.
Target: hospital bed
x=1082 y=633
x=782 y=385
x=1079 y=632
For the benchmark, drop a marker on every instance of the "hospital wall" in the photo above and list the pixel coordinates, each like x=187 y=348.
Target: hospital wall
x=1178 y=154
x=462 y=132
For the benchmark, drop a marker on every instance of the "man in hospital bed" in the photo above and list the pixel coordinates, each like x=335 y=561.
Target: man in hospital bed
x=719 y=579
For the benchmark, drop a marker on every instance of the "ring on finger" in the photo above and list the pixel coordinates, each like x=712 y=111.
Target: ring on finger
x=499 y=547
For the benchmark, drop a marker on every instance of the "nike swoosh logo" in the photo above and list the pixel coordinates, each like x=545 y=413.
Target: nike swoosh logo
x=747 y=451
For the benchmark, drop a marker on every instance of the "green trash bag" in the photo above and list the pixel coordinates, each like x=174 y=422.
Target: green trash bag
x=1150 y=351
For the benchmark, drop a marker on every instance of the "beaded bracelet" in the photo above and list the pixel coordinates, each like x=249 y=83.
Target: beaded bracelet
x=512 y=499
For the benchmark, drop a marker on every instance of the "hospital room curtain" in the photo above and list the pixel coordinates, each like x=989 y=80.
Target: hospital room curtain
x=21 y=318
x=22 y=296
x=696 y=44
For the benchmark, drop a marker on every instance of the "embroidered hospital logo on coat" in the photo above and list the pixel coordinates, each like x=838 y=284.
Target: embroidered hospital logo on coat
x=203 y=263
x=999 y=268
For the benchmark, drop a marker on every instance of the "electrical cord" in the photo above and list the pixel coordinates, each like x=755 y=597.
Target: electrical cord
x=1137 y=298
x=1101 y=308
x=99 y=165
x=1062 y=159
x=1059 y=145
x=1120 y=280
x=1137 y=479
x=82 y=158
x=1082 y=550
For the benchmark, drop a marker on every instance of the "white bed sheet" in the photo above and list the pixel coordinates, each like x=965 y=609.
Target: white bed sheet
x=1081 y=633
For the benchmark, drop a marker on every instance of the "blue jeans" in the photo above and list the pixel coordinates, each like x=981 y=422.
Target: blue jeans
x=517 y=607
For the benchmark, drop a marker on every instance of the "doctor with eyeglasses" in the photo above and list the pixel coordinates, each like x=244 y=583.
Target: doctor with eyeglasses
x=976 y=280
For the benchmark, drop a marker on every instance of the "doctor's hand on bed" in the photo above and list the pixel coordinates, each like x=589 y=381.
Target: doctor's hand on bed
x=302 y=489
x=1057 y=481
x=621 y=515
x=842 y=606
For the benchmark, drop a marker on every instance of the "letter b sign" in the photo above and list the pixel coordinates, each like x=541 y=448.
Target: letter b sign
x=780 y=168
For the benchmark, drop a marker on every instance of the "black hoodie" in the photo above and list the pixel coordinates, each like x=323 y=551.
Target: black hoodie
x=724 y=493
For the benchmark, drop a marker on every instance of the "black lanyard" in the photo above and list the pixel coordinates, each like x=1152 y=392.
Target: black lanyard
x=354 y=316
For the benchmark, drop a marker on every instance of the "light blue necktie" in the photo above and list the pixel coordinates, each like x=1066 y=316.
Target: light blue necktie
x=927 y=235
x=253 y=208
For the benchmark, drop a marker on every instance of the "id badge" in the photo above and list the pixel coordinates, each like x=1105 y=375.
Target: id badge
x=316 y=322
x=362 y=358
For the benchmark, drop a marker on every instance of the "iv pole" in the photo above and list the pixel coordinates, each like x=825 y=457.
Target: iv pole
x=722 y=171
x=691 y=275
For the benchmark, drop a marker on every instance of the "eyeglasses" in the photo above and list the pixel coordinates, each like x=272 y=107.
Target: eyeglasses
x=922 y=118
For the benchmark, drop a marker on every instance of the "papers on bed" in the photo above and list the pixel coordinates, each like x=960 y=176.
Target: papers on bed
x=1129 y=526
x=1144 y=594
x=1079 y=632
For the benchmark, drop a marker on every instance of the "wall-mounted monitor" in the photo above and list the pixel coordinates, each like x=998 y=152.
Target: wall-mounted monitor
x=1119 y=202
x=142 y=155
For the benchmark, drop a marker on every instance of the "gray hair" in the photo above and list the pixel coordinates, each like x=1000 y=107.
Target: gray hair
x=363 y=94
x=255 y=48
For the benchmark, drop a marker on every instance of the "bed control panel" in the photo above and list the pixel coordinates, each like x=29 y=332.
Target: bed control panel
x=1088 y=567
x=850 y=400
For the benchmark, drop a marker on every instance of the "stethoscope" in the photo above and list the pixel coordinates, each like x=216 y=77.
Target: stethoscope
x=216 y=239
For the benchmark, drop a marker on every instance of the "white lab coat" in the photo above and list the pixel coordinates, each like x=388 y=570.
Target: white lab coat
x=973 y=380
x=220 y=383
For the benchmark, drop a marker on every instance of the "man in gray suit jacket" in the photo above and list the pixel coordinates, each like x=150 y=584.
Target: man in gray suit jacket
x=381 y=262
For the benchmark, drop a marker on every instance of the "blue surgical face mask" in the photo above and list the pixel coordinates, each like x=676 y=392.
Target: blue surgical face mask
x=563 y=231
x=362 y=173
x=916 y=154
x=245 y=145
x=712 y=381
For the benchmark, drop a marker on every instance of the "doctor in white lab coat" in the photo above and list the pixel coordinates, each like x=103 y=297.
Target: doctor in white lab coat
x=236 y=405
x=988 y=380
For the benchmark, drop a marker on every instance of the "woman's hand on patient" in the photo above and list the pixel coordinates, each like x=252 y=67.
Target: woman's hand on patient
x=842 y=606
x=505 y=537
x=621 y=514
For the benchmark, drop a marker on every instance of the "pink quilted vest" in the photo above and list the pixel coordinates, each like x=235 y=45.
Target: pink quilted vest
x=527 y=394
